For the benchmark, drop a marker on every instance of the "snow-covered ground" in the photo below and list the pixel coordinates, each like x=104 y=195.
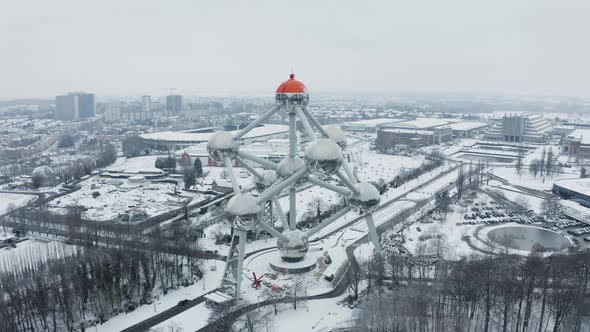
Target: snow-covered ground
x=451 y=233
x=244 y=178
x=210 y=282
x=117 y=196
x=528 y=180
x=316 y=315
x=135 y=165
x=33 y=251
x=373 y=166
x=514 y=195
x=11 y=201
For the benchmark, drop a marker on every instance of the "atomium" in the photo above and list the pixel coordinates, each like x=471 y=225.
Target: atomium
x=323 y=159
x=221 y=145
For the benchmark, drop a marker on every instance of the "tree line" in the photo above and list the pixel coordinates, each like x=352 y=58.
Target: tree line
x=87 y=288
x=490 y=293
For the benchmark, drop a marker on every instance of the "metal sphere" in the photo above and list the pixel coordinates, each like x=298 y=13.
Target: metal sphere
x=294 y=247
x=336 y=134
x=367 y=200
x=221 y=145
x=289 y=166
x=242 y=210
x=269 y=177
x=323 y=158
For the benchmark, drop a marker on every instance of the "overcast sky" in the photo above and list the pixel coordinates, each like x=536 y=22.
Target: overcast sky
x=134 y=47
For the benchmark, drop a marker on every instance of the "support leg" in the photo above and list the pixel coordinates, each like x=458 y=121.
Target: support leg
x=232 y=274
x=292 y=208
x=373 y=233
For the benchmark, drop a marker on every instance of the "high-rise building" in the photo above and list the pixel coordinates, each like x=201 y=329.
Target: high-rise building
x=173 y=103
x=112 y=112
x=66 y=107
x=74 y=106
x=86 y=105
x=146 y=103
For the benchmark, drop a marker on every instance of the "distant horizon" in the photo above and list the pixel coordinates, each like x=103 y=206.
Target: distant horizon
x=321 y=94
x=127 y=47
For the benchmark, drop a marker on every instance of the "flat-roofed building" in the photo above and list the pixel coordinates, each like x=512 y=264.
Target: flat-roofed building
x=466 y=129
x=368 y=126
x=577 y=144
x=413 y=133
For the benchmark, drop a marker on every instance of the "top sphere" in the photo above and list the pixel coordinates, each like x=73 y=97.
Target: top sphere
x=292 y=91
x=221 y=145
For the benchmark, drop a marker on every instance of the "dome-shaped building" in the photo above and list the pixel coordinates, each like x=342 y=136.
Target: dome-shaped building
x=43 y=176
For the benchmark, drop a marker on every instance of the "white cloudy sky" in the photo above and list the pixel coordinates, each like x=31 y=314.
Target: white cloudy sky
x=127 y=47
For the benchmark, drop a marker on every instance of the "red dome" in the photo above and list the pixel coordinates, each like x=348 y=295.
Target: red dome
x=292 y=86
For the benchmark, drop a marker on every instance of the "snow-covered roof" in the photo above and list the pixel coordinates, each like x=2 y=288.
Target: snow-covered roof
x=407 y=131
x=420 y=123
x=372 y=122
x=582 y=134
x=218 y=297
x=578 y=185
x=468 y=125
x=137 y=165
x=575 y=210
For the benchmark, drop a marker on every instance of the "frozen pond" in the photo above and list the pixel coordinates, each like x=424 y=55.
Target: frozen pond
x=527 y=237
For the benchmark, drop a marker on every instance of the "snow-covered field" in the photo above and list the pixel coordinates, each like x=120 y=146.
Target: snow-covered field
x=135 y=165
x=32 y=251
x=11 y=201
x=372 y=166
x=315 y=315
x=528 y=180
x=118 y=196
x=513 y=194
x=208 y=283
x=452 y=235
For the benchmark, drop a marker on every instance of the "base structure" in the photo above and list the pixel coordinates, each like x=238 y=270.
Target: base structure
x=232 y=275
x=308 y=263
